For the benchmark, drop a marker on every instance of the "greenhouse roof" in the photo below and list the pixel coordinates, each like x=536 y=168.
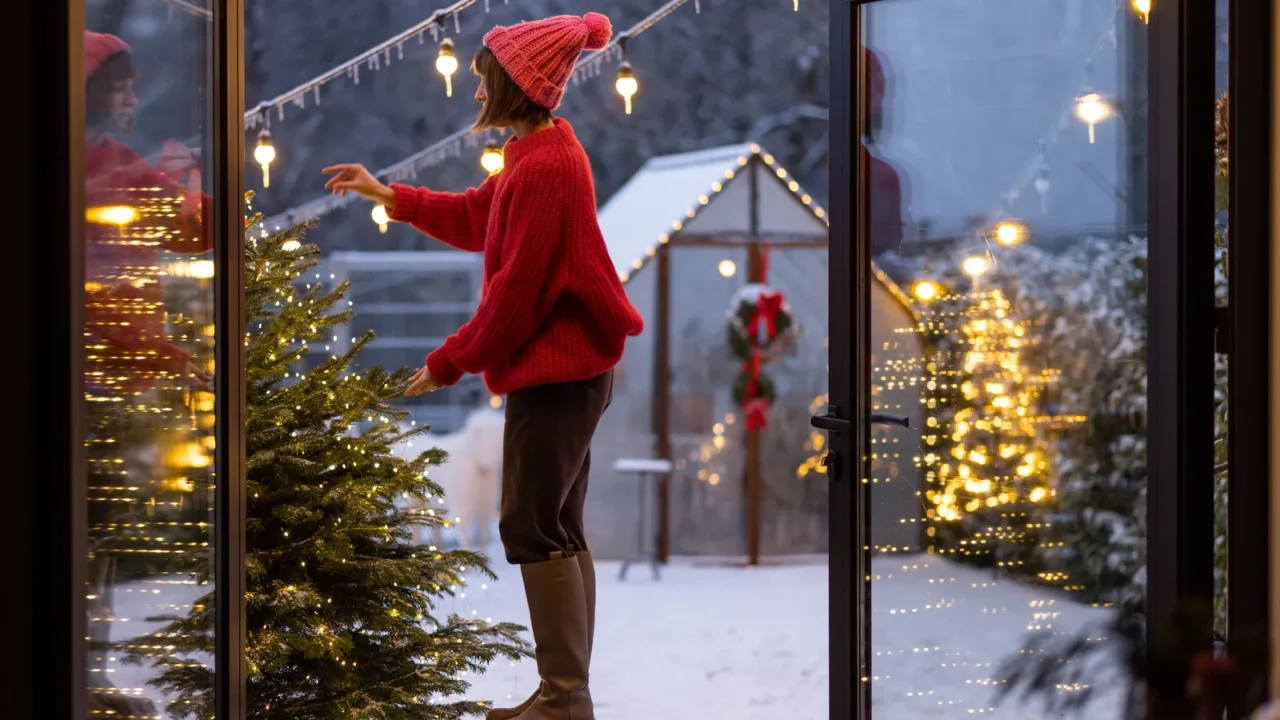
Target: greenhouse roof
x=705 y=193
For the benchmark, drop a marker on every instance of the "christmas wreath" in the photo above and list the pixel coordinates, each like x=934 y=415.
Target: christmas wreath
x=760 y=329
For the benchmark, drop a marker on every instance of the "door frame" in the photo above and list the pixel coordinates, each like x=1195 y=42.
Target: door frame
x=1179 y=130
x=45 y=531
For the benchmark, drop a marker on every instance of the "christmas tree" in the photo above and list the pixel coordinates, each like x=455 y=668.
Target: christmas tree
x=341 y=605
x=984 y=460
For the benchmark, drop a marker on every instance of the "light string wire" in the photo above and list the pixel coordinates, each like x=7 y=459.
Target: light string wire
x=1040 y=158
x=374 y=56
x=452 y=145
x=190 y=8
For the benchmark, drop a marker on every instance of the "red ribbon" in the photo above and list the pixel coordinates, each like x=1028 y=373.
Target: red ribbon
x=752 y=369
x=767 y=308
x=757 y=412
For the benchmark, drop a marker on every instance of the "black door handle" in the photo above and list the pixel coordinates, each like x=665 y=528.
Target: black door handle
x=887 y=419
x=832 y=422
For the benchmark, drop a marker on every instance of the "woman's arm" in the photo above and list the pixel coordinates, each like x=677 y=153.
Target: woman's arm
x=520 y=295
x=456 y=219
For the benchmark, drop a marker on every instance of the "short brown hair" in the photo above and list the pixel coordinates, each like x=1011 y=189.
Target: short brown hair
x=505 y=102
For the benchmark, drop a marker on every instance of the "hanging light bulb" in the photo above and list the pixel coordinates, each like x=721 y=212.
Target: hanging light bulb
x=447 y=64
x=264 y=153
x=627 y=84
x=1143 y=7
x=1092 y=109
x=1009 y=233
x=975 y=266
x=491 y=159
x=380 y=217
x=796 y=4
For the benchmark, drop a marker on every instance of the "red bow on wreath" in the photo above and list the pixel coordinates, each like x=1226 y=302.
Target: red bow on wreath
x=767 y=308
x=757 y=412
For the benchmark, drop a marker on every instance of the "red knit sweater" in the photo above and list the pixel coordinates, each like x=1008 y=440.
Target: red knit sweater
x=552 y=308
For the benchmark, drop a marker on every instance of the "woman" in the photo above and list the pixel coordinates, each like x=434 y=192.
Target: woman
x=551 y=325
x=124 y=301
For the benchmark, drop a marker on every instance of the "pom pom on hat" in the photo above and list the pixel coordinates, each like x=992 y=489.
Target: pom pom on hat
x=599 y=30
x=540 y=55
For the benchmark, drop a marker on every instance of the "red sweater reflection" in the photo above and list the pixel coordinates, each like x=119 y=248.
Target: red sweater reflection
x=134 y=213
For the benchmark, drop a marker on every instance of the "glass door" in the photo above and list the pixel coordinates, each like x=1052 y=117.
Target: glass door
x=989 y=416
x=162 y=240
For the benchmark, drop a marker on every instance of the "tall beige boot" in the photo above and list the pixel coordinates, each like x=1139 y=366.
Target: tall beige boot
x=588 y=570
x=559 y=615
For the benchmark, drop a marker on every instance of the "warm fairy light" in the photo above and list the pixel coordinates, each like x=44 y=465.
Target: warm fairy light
x=925 y=290
x=112 y=215
x=1009 y=233
x=447 y=64
x=491 y=159
x=197 y=269
x=1143 y=8
x=290 y=245
x=728 y=268
x=495 y=402
x=975 y=265
x=1092 y=109
x=380 y=217
x=265 y=153
x=627 y=83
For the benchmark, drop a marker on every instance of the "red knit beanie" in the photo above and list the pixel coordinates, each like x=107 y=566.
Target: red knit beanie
x=98 y=47
x=539 y=56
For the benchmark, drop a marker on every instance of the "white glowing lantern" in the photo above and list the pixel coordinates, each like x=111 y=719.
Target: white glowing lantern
x=1092 y=109
x=447 y=64
x=975 y=266
x=627 y=83
x=491 y=159
x=265 y=153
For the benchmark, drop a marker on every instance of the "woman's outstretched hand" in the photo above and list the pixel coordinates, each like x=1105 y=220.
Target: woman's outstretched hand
x=355 y=178
x=422 y=382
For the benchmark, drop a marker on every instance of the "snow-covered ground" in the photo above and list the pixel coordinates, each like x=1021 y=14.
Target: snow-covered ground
x=715 y=640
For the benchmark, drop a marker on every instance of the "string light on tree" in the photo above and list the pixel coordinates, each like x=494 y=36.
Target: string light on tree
x=265 y=153
x=381 y=218
x=491 y=159
x=926 y=290
x=627 y=83
x=447 y=64
x=1092 y=109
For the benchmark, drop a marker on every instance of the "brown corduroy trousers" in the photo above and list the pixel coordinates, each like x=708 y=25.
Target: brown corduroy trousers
x=546 y=461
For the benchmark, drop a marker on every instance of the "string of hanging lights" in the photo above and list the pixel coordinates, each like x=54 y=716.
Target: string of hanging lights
x=453 y=145
x=373 y=59
x=1089 y=107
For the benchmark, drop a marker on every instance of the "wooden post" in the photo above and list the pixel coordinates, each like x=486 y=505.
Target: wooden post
x=755 y=274
x=662 y=398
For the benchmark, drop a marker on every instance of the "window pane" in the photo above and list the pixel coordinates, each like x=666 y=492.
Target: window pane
x=1004 y=157
x=149 y=348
